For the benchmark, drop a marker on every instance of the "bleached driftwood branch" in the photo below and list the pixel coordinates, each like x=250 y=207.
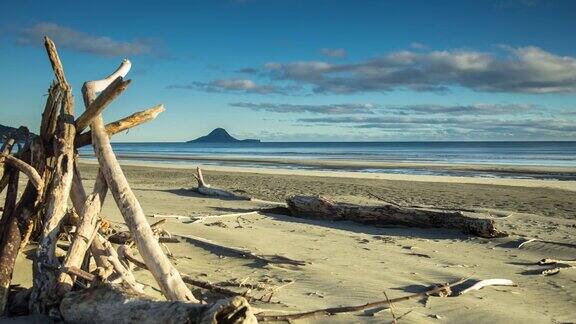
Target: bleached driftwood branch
x=207 y=190
x=386 y=214
x=487 y=283
x=163 y=271
x=121 y=125
x=85 y=232
x=98 y=105
x=25 y=168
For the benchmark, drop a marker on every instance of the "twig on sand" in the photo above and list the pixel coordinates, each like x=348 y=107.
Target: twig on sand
x=200 y=219
x=273 y=291
x=355 y=308
x=390 y=306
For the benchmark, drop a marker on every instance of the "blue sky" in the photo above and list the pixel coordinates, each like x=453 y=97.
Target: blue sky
x=307 y=70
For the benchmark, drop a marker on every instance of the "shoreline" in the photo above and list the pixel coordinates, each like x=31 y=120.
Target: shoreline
x=568 y=185
x=367 y=166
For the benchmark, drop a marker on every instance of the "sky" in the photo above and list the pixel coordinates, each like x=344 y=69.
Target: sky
x=289 y=70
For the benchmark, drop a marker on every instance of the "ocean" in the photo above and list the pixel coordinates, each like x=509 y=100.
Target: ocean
x=526 y=154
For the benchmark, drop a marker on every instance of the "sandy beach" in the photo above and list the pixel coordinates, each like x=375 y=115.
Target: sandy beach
x=348 y=263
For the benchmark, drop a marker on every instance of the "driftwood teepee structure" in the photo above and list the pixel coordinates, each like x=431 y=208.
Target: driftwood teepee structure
x=68 y=288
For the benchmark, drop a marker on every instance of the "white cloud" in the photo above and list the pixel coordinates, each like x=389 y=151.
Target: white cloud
x=334 y=52
x=522 y=70
x=78 y=41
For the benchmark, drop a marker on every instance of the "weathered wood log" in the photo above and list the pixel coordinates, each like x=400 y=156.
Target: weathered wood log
x=84 y=233
x=28 y=208
x=124 y=273
x=5 y=150
x=95 y=107
x=207 y=190
x=387 y=214
x=9 y=239
x=121 y=125
x=25 y=168
x=57 y=196
x=50 y=114
x=92 y=205
x=163 y=271
x=7 y=146
x=110 y=304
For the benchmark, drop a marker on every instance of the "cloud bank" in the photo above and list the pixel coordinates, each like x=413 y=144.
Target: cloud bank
x=335 y=109
x=334 y=52
x=521 y=70
x=81 y=42
x=230 y=85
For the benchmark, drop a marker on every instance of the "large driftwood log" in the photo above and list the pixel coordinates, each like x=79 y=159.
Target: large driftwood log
x=207 y=190
x=121 y=125
x=9 y=239
x=57 y=196
x=163 y=271
x=388 y=214
x=110 y=304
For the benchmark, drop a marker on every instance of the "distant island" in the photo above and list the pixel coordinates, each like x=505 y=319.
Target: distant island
x=220 y=135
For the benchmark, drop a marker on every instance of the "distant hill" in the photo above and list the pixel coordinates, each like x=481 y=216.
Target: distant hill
x=220 y=135
x=20 y=134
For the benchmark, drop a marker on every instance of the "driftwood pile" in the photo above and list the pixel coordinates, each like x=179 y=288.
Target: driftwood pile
x=90 y=281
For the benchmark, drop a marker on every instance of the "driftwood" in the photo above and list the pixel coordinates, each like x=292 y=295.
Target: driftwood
x=110 y=304
x=50 y=162
x=89 y=210
x=85 y=232
x=129 y=256
x=96 y=106
x=486 y=283
x=9 y=239
x=206 y=189
x=122 y=271
x=25 y=168
x=324 y=208
x=57 y=196
x=5 y=150
x=122 y=124
x=163 y=271
x=441 y=290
